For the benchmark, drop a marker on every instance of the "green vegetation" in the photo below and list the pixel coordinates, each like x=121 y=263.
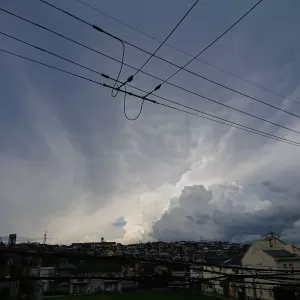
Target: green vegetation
x=140 y=296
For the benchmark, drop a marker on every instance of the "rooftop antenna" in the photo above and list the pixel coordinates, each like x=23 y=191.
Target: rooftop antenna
x=271 y=232
x=45 y=237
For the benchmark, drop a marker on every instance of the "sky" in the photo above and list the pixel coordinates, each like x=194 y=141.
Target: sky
x=72 y=164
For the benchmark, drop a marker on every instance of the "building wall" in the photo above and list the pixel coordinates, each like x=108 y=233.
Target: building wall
x=13 y=287
x=95 y=285
x=38 y=292
x=46 y=272
x=196 y=272
x=289 y=264
x=112 y=286
x=92 y=286
x=258 y=288
x=256 y=257
x=215 y=286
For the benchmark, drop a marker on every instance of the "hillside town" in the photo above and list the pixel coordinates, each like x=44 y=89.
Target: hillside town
x=263 y=270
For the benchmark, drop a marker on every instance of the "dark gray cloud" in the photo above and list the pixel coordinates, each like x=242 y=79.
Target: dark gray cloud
x=203 y=213
x=275 y=188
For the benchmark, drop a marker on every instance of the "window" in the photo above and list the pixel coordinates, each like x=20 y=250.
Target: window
x=291 y=266
x=270 y=293
x=285 y=266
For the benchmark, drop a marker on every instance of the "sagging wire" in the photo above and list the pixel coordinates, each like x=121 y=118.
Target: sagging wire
x=120 y=71
x=102 y=31
x=124 y=107
x=123 y=89
x=148 y=74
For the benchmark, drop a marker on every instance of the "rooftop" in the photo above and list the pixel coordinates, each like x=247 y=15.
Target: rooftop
x=277 y=254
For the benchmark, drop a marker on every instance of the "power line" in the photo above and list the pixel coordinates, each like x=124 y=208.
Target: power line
x=117 y=81
x=183 y=67
x=124 y=107
x=146 y=62
x=213 y=42
x=102 y=31
x=235 y=125
x=191 y=108
x=254 y=131
x=148 y=74
x=163 y=42
x=130 y=78
x=184 y=52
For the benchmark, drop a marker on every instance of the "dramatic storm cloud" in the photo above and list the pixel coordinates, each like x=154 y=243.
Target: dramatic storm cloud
x=210 y=214
x=71 y=164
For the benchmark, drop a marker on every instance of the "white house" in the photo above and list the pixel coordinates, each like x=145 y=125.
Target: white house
x=270 y=256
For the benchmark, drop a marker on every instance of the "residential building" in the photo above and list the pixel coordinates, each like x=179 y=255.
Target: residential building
x=219 y=286
x=49 y=284
x=7 y=270
x=269 y=256
x=101 y=268
x=196 y=272
x=215 y=285
x=32 y=288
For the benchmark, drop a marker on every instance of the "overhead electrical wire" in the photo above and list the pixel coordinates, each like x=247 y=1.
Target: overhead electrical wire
x=130 y=78
x=148 y=74
x=146 y=62
x=152 y=54
x=143 y=65
x=254 y=131
x=184 y=52
x=117 y=81
x=164 y=41
x=210 y=44
x=120 y=70
x=100 y=30
x=124 y=106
